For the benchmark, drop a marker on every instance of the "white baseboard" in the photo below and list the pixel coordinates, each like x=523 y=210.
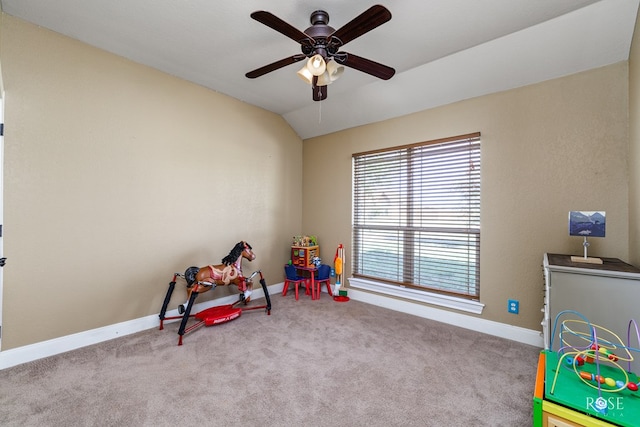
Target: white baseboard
x=409 y=294
x=503 y=330
x=28 y=353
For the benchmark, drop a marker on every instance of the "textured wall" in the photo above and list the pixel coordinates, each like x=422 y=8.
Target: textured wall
x=547 y=149
x=116 y=176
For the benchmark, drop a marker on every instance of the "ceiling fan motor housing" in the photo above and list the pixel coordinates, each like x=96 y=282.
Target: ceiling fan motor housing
x=319 y=17
x=319 y=31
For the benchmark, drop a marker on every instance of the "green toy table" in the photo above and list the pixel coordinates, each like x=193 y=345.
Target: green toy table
x=575 y=401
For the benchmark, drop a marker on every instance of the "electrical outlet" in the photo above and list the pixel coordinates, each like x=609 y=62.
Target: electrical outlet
x=513 y=306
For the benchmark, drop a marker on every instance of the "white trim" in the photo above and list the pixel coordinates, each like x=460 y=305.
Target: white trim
x=462 y=304
x=29 y=353
x=2 y=105
x=514 y=333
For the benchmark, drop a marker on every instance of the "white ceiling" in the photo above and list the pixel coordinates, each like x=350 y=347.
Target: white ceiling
x=443 y=50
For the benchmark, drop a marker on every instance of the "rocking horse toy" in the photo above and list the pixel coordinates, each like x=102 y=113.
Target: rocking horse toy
x=203 y=279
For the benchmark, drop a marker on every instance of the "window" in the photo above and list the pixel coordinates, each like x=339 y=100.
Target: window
x=416 y=216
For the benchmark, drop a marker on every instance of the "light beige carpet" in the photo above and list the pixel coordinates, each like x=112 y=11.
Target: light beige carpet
x=311 y=363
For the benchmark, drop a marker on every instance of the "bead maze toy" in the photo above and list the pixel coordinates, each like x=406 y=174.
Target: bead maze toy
x=206 y=278
x=588 y=373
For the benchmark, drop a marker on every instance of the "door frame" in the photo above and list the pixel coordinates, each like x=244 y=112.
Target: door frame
x=2 y=98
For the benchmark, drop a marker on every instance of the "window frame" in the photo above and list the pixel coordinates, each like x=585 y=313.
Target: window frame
x=406 y=233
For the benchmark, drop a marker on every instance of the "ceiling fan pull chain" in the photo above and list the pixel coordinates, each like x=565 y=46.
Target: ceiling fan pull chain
x=319 y=109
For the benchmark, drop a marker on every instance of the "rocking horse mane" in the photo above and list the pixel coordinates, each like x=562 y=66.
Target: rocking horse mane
x=235 y=253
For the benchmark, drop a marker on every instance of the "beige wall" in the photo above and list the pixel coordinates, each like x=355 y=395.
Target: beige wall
x=546 y=149
x=116 y=176
x=634 y=147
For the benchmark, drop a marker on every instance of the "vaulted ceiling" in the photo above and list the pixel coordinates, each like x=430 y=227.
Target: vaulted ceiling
x=443 y=51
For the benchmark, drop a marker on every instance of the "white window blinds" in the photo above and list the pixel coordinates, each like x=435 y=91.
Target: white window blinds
x=416 y=215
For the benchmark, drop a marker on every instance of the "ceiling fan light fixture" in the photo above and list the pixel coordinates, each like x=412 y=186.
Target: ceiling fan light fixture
x=331 y=74
x=316 y=65
x=334 y=70
x=305 y=75
x=324 y=79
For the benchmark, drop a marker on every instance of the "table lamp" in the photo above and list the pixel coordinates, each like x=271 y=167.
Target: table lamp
x=586 y=224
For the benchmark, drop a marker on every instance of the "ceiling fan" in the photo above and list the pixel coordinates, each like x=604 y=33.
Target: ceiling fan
x=320 y=45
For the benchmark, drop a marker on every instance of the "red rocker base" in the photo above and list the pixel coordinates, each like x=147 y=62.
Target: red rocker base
x=218 y=314
x=213 y=315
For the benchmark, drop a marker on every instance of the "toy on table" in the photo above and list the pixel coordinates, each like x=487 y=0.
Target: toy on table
x=594 y=354
x=304 y=251
x=203 y=279
x=304 y=241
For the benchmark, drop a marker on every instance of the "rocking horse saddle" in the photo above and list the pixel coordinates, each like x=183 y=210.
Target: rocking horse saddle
x=190 y=275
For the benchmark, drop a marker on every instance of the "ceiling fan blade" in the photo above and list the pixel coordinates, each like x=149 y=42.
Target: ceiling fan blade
x=363 y=23
x=365 y=65
x=275 y=65
x=272 y=21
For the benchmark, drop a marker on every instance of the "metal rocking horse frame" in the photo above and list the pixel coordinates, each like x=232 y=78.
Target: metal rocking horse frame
x=203 y=279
